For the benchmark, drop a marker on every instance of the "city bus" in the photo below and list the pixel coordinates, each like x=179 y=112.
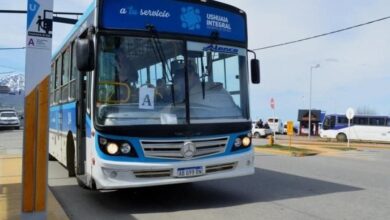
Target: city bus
x=363 y=128
x=153 y=92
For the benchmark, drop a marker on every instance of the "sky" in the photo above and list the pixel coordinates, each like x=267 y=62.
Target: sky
x=354 y=65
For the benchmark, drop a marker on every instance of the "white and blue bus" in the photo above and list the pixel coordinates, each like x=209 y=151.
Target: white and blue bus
x=363 y=128
x=153 y=92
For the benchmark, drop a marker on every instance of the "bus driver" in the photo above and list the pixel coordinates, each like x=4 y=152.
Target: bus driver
x=126 y=73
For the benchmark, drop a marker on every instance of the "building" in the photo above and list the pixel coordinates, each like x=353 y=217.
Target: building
x=316 y=120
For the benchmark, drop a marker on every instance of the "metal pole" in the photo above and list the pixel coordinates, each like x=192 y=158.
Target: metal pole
x=274 y=126
x=349 y=131
x=311 y=76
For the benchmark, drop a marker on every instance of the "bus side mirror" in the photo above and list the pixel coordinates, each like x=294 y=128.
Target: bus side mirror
x=85 y=54
x=255 y=71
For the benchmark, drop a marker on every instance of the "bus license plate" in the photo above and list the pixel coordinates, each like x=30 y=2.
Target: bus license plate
x=189 y=171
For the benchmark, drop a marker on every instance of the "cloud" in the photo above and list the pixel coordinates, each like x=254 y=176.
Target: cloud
x=354 y=64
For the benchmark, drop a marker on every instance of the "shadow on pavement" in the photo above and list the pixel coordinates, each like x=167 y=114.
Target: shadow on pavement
x=10 y=201
x=263 y=186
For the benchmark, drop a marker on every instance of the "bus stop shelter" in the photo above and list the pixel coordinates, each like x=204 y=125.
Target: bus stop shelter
x=303 y=118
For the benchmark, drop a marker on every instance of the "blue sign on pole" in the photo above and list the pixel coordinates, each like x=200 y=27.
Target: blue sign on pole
x=32 y=11
x=170 y=16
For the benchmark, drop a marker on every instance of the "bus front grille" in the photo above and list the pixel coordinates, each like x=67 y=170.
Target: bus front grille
x=173 y=149
x=220 y=167
x=152 y=173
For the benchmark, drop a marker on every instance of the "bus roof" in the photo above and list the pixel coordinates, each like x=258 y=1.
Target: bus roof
x=229 y=19
x=81 y=20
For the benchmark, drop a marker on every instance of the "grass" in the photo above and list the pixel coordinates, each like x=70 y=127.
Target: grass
x=295 y=151
x=342 y=148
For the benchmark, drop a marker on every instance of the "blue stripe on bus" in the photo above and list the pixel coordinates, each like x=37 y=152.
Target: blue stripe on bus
x=68 y=122
x=135 y=142
x=339 y=127
x=88 y=126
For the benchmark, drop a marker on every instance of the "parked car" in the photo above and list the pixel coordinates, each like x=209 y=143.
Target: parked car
x=9 y=119
x=260 y=132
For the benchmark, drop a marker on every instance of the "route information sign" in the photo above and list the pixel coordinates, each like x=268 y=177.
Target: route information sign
x=39 y=41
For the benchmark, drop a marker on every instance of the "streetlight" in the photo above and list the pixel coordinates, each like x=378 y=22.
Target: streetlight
x=311 y=77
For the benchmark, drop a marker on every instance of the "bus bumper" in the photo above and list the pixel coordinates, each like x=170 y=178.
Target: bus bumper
x=119 y=175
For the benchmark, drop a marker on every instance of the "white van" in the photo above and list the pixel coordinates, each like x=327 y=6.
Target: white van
x=276 y=125
x=9 y=119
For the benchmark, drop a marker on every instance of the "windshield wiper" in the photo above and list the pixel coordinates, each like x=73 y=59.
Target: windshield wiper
x=158 y=50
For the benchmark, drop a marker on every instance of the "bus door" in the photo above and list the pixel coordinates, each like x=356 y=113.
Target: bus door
x=80 y=148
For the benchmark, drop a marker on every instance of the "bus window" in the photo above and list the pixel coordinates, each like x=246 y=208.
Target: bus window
x=52 y=80
x=271 y=120
x=65 y=75
x=326 y=124
x=57 y=95
x=342 y=120
x=377 y=121
x=329 y=122
x=388 y=121
x=73 y=74
x=360 y=121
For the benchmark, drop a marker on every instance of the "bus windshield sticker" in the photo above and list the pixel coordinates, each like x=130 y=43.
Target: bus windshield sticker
x=221 y=49
x=146 y=98
x=168 y=119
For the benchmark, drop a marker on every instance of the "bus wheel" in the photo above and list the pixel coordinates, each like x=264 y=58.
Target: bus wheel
x=70 y=156
x=257 y=135
x=82 y=184
x=341 y=137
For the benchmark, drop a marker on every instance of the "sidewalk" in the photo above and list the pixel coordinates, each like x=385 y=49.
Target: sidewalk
x=11 y=191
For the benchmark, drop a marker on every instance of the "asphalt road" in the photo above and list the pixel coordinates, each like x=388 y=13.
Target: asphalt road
x=354 y=185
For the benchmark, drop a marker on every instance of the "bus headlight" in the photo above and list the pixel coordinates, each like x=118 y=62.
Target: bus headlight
x=237 y=142
x=246 y=141
x=125 y=148
x=112 y=148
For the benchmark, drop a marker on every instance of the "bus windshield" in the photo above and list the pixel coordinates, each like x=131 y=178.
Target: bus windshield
x=142 y=81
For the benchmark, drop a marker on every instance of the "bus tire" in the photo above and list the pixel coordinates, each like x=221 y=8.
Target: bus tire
x=82 y=184
x=257 y=135
x=341 y=137
x=70 y=156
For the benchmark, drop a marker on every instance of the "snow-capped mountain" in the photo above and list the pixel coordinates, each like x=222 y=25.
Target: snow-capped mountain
x=15 y=81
